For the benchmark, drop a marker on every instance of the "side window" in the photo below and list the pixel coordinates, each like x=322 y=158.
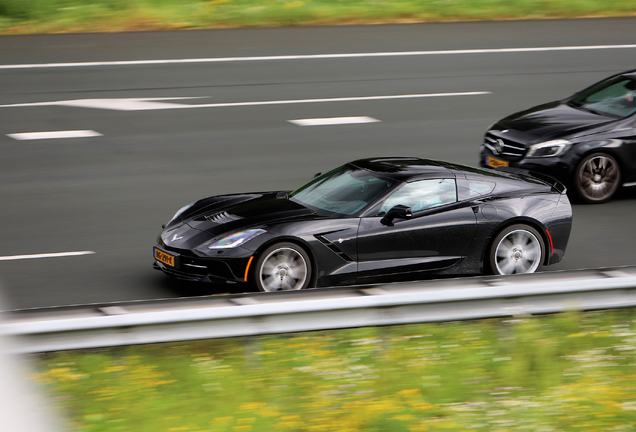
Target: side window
x=615 y=96
x=422 y=195
x=468 y=189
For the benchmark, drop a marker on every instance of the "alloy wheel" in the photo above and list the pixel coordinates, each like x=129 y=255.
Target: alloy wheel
x=283 y=269
x=519 y=251
x=597 y=178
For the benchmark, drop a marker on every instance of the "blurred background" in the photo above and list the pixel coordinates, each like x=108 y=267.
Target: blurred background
x=144 y=106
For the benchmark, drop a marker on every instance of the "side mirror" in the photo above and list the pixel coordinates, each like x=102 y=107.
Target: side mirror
x=397 y=212
x=317 y=174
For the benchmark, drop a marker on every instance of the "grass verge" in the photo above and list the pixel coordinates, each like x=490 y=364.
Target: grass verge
x=50 y=16
x=562 y=372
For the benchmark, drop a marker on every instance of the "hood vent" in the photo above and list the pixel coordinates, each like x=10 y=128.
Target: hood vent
x=222 y=217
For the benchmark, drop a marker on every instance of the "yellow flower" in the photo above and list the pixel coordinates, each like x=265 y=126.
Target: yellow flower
x=423 y=406
x=404 y=417
x=223 y=419
x=410 y=393
x=252 y=406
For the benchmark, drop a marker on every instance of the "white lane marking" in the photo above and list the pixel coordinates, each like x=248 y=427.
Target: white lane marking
x=138 y=104
x=47 y=255
x=318 y=56
x=53 y=135
x=124 y=104
x=333 y=121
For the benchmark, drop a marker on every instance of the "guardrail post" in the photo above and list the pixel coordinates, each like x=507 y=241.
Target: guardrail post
x=253 y=347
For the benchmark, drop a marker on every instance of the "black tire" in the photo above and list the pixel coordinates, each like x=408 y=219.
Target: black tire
x=517 y=249
x=282 y=267
x=597 y=178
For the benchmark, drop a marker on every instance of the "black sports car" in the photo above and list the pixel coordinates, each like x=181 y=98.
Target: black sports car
x=371 y=220
x=587 y=141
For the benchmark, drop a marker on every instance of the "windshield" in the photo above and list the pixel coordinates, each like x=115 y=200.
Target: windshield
x=615 y=97
x=345 y=190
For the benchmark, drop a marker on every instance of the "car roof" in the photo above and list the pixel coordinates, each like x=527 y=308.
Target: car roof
x=404 y=168
x=407 y=169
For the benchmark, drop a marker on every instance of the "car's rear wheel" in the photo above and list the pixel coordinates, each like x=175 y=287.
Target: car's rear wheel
x=597 y=178
x=517 y=249
x=282 y=267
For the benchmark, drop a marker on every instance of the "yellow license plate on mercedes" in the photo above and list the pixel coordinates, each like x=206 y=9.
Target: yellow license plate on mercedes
x=496 y=163
x=163 y=257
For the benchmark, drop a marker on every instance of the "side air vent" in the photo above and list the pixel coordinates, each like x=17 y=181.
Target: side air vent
x=334 y=248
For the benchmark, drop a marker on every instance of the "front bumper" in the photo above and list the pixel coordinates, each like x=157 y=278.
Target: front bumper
x=184 y=265
x=558 y=167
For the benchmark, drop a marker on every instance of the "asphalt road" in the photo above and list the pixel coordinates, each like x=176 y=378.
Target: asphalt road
x=109 y=194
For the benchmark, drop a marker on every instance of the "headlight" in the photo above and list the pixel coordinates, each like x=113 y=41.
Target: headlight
x=236 y=239
x=548 y=148
x=181 y=210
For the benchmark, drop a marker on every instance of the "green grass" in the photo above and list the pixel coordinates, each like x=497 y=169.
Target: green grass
x=563 y=372
x=42 y=16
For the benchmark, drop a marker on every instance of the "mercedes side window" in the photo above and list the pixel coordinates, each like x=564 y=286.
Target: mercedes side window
x=422 y=195
x=615 y=97
x=470 y=189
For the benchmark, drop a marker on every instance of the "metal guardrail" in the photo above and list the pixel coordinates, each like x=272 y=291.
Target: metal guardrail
x=268 y=313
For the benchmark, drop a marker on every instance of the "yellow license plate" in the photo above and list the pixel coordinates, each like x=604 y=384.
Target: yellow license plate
x=163 y=257
x=495 y=163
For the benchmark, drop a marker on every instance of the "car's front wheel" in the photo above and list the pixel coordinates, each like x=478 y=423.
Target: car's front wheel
x=597 y=178
x=282 y=267
x=517 y=249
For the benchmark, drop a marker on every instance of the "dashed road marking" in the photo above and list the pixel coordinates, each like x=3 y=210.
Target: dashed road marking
x=333 y=121
x=46 y=255
x=53 y=135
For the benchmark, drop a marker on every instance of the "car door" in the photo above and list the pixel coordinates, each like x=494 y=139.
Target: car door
x=436 y=236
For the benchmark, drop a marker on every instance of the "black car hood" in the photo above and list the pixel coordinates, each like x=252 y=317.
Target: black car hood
x=551 y=121
x=221 y=215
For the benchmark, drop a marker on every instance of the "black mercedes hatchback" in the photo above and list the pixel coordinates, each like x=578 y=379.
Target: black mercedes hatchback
x=587 y=141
